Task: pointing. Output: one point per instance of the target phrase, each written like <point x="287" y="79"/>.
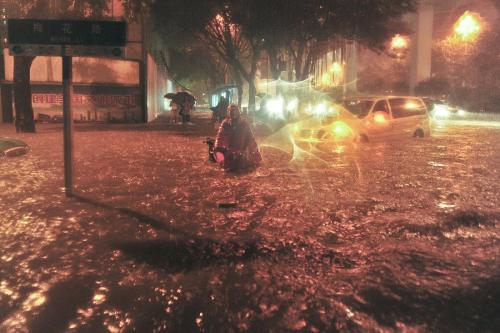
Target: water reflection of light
<point x="34" y="300"/>
<point x="6" y="290"/>
<point x="199" y="319"/>
<point x="6" y="258"/>
<point x="100" y="296"/>
<point x="445" y="205"/>
<point x="87" y="313"/>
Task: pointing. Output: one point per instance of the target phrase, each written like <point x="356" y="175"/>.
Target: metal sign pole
<point x="68" y="122"/>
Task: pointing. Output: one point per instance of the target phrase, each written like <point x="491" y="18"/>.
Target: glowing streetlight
<point x="399" y="46"/>
<point x="399" y="42"/>
<point x="468" y="27"/>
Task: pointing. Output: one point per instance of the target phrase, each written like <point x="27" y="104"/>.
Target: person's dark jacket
<point x="235" y="138"/>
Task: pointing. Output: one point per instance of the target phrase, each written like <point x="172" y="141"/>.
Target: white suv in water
<point x="388" y="116"/>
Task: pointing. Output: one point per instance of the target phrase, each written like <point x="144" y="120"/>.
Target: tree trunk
<point x="299" y="62"/>
<point x="274" y="63"/>
<point x="239" y="84"/>
<point x="251" y="79"/>
<point x="251" y="95"/>
<point x="25" y="121"/>
<point x="307" y="69"/>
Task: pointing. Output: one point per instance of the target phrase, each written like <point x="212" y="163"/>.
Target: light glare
<point x="467" y="27"/>
<point x="275" y="107"/>
<point x="399" y="42"/>
<point x="441" y="111"/>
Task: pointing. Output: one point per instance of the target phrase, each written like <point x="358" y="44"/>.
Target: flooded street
<point x="380" y="236"/>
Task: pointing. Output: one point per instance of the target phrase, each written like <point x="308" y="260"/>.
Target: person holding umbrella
<point x="185" y="102"/>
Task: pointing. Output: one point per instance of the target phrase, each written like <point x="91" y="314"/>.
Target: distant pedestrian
<point x="174" y="112"/>
<point x="187" y="106"/>
<point x="235" y="146"/>
<point x="220" y="110"/>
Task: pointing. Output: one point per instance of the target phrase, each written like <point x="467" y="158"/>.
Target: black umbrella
<point x="181" y="97"/>
<point x="170" y="95"/>
<point x="185" y="96"/>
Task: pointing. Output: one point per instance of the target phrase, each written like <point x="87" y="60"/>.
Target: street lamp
<point x="399" y="42"/>
<point x="460" y="44"/>
<point x="399" y="46"/>
<point x="467" y="27"/>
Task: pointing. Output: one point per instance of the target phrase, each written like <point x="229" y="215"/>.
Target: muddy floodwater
<point x="375" y="237"/>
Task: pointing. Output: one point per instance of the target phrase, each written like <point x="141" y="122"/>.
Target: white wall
<point x="157" y="88"/>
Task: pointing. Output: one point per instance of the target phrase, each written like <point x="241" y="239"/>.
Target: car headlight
<point x="274" y="108"/>
<point x="441" y="111"/>
<point x="340" y="129"/>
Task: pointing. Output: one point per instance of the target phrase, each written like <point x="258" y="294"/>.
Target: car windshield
<point x="358" y="107"/>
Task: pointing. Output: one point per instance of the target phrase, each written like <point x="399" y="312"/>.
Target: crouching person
<point x="235" y="146"/>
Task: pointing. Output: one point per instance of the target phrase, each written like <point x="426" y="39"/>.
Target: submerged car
<point x="388" y="116"/>
<point x="324" y="123"/>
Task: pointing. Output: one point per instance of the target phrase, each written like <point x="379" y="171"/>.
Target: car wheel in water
<point x="419" y="133"/>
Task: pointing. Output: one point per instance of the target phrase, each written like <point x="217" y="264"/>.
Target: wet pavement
<point x="385" y="236"/>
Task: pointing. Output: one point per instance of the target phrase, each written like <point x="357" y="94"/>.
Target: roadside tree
<point x="240" y="31"/>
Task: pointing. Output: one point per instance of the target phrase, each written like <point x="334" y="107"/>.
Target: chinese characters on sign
<point x="102" y="100"/>
<point x="70" y="38"/>
<point x="96" y="33"/>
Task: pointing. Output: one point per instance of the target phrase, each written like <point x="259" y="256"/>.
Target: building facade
<point x="129" y="89"/>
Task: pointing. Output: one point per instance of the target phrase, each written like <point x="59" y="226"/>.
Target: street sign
<point x="67" y="38"/>
<point x="67" y="32"/>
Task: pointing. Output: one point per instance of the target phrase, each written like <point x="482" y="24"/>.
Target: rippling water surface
<point x="397" y="236"/>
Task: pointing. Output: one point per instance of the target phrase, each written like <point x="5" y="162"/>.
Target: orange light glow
<point x="399" y="42"/>
<point x="340" y="129"/>
<point x="468" y="26"/>
<point x="411" y="105"/>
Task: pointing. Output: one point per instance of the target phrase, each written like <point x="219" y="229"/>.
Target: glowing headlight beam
<point x="292" y="105"/>
<point x="341" y="129"/>
<point x="274" y="108"/>
<point x="441" y="111"/>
